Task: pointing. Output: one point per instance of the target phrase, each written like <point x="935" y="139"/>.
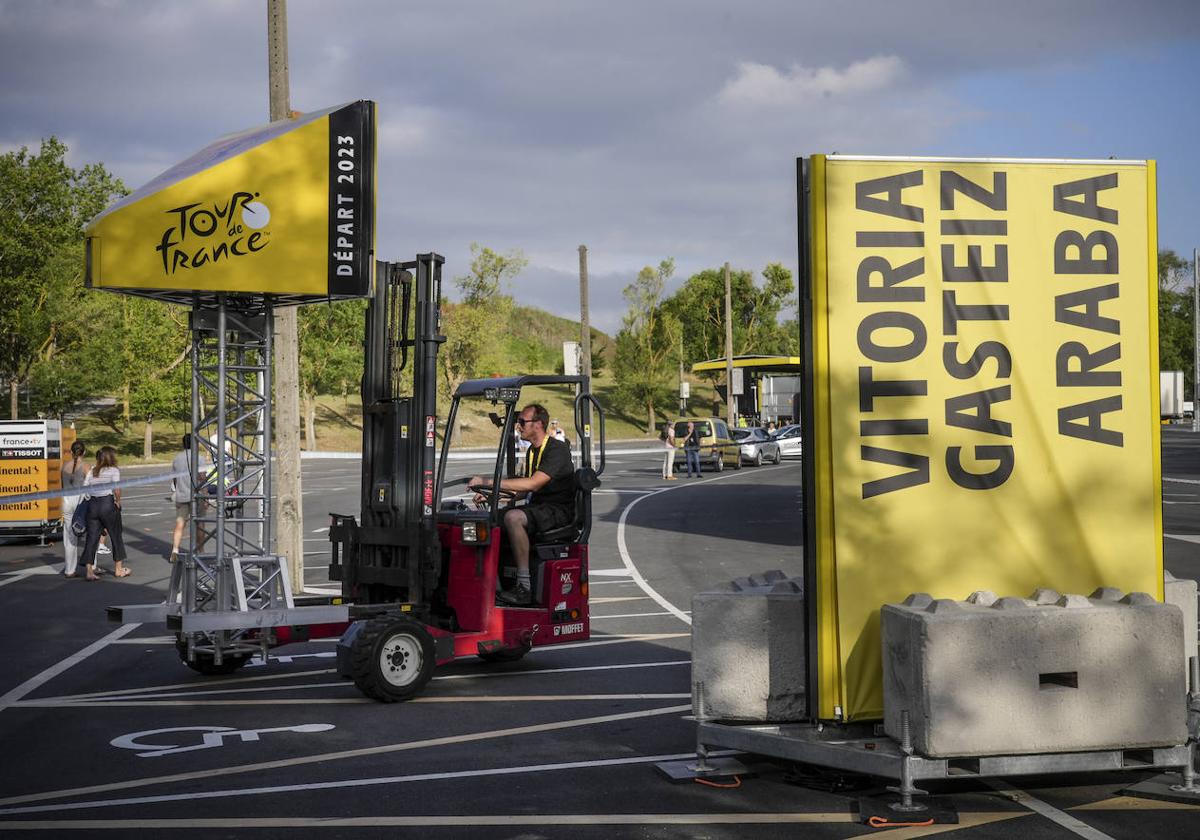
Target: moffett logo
<point x="202" y="234"/>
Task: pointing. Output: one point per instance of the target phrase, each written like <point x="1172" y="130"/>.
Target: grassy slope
<point x="534" y="345"/>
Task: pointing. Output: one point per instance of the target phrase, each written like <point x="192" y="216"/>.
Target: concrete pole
<point x="585" y="328"/>
<point x="730" y="401"/>
<point x="1195" y="336"/>
<point x="289" y="500"/>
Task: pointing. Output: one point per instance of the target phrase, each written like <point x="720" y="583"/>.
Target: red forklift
<point x="421" y="569"/>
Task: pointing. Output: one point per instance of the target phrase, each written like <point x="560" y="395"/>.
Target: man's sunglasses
<point x="521" y="421"/>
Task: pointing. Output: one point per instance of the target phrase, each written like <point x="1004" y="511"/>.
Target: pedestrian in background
<point x="104" y="512"/>
<point x="186" y="476"/>
<point x="73" y="473"/>
<point x="668" y="439"/>
<point x="691" y="449"/>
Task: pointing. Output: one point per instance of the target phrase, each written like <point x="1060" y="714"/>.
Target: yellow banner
<point x="986" y="403"/>
<point x="30" y="463"/>
<point x="285" y="209"/>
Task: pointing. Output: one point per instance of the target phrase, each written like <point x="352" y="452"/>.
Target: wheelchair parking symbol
<point x="210" y="736"/>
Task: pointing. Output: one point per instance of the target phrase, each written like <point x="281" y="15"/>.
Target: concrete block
<point x="1182" y="593"/>
<point x="1034" y="675"/>
<point x="749" y="651"/>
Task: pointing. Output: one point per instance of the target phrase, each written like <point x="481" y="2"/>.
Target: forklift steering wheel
<point x="505" y="495"/>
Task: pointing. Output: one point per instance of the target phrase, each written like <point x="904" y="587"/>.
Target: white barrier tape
<point x="83" y="491"/>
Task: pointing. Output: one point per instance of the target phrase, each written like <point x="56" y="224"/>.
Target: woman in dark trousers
<point x="104" y="512"/>
<point x="691" y="449"/>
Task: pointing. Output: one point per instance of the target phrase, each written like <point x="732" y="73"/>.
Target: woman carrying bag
<point x="73" y="474"/>
<point x="104" y="512"/>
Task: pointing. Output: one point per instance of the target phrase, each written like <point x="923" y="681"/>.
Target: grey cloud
<point x="541" y="125"/>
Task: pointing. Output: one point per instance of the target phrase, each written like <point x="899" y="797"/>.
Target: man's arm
<point x="529" y="484"/>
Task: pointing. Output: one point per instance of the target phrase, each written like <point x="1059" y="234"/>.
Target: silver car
<point x="790" y="441"/>
<point x="756" y="446"/>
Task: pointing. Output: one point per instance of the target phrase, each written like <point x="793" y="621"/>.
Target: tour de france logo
<point x="208" y="233"/>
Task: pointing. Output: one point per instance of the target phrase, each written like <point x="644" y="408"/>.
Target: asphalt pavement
<point x="107" y="734"/>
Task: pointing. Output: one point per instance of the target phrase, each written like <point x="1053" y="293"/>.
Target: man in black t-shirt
<point x="550" y="479"/>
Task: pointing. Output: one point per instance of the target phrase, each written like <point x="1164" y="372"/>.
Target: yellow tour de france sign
<point x="287" y="209"/>
<point x="984" y="391"/>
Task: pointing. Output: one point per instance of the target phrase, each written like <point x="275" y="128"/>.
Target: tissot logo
<point x="201" y="233"/>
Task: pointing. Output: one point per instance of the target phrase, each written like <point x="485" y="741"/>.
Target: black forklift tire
<point x="505" y="654"/>
<point x="204" y="664"/>
<point x="392" y="658"/>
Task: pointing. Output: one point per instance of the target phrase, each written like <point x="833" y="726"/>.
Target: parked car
<point x="717" y="448"/>
<point x="790" y="441"/>
<point x="757" y="446"/>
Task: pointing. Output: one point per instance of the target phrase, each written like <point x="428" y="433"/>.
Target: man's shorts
<point x="542" y="518"/>
<point x="183" y="510"/>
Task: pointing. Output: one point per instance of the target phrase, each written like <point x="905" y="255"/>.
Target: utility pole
<point x="289" y="501"/>
<point x="1195" y="335"/>
<point x="585" y="338"/>
<point x="729" y="398"/>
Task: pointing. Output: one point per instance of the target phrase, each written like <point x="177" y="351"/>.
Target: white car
<point x="790" y="440"/>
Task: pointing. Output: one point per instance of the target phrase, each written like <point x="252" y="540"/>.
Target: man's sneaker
<point x="518" y="596"/>
<point x="103" y="549"/>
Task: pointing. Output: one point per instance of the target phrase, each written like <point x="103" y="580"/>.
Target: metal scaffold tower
<point x="229" y="564"/>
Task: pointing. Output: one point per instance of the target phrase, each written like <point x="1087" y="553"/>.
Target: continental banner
<point x="984" y="395"/>
<point x="30" y="462"/>
<point x="287" y="208"/>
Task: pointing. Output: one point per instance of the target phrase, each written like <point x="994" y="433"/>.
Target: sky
<point x="645" y="130"/>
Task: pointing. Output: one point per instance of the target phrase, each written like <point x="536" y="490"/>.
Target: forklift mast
<point x="393" y="554"/>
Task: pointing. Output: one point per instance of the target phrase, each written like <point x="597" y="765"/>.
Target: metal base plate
<point x="1159" y="787"/>
<point x="718" y="769"/>
<point x="941" y="811"/>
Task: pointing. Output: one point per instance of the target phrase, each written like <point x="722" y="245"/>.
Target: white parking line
<point x="13" y="577"/>
<point x="385" y="780"/>
<point x="18" y="693"/>
<point x="320" y="758"/>
<point x="1070" y="823"/>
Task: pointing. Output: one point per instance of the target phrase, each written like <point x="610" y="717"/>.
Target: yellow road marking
<point x="1134" y="803"/>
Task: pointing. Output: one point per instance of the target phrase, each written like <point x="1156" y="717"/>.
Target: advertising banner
<point x="30" y="453"/>
<point x="984" y="391"/>
<point x="287" y="208"/>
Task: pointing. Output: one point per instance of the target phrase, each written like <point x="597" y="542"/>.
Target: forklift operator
<point x="550" y="482"/>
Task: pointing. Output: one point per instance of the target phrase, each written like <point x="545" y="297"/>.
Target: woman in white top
<point x="104" y="512"/>
<point x="73" y="474"/>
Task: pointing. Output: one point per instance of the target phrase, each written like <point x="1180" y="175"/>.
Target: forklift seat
<point x="586" y="481"/>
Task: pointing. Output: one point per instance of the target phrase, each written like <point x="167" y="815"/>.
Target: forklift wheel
<point x="505" y="654"/>
<point x="203" y="663"/>
<point x="392" y="658"/>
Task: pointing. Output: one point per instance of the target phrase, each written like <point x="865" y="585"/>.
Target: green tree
<point x="700" y="306"/>
<point x="44" y="204"/>
<point x="1176" y="317"/>
<point x="646" y="345"/>
<point x="473" y="327"/>
<point x="331" y="355"/>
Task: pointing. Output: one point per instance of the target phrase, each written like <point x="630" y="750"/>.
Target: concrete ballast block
<point x="748" y="650"/>
<point x="1034" y="675"/>
<point x="1182" y="593"/>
